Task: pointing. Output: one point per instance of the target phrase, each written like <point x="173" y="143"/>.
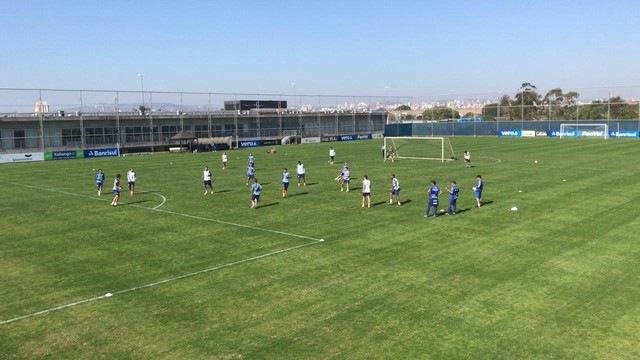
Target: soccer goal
<point x="584" y="130"/>
<point x="420" y="148"/>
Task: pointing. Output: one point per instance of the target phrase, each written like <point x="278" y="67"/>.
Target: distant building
<point x="41" y="107"/>
<point x="247" y="105"/>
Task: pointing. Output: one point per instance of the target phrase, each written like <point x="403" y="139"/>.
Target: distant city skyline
<point x="418" y="49"/>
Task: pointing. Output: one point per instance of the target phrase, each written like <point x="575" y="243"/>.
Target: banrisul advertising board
<point x="91" y="153"/>
<point x="623" y="134"/>
<point x="63" y="155"/>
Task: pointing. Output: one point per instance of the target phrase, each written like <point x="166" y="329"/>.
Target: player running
<point x="255" y="193"/>
<point x="224" y="160"/>
<point x="433" y="192"/>
<point x="116" y="190"/>
<point x="99" y="181"/>
<point x="395" y="190"/>
<point x="252" y="160"/>
<point x="251" y="173"/>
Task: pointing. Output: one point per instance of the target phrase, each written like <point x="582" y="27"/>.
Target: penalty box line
<point x="157" y="209"/>
<point x="181" y="277"/>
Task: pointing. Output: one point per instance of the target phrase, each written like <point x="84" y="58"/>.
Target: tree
<point x="403" y="108"/>
<point x="440" y="113"/>
<point x="528" y="99"/>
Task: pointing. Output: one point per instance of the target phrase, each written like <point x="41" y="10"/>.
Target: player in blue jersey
<point x="250" y="173"/>
<point x="116" y="190"/>
<point x="433" y="192"/>
<point x="255" y="193"/>
<point x="395" y="190"/>
<point x="131" y="181"/>
<point x="206" y="177"/>
<point x="346" y="178"/>
<point x="99" y="181"/>
<point x="453" y="198"/>
<point x="252" y="160"/>
<point x="478" y="190"/>
<point x="286" y="176"/>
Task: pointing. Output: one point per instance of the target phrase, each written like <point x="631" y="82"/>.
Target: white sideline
<point x="120" y="292"/>
<point x="314" y="241"/>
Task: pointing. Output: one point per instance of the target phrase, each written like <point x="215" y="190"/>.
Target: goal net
<point x="421" y="148"/>
<point x="584" y="130"/>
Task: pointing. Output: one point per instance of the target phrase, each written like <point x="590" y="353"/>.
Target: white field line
<point x="156" y="209"/>
<point x="314" y="241"/>
<point x="164" y="200"/>
<point x="120" y="292"/>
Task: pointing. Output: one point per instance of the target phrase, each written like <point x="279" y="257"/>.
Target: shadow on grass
<point x="378" y="203"/>
<point x="296" y="194"/>
<point x="136" y="202"/>
<point x="222" y="191"/>
<point x="267" y="205"/>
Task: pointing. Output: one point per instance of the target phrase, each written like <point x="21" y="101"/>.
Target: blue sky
<point x="416" y="48"/>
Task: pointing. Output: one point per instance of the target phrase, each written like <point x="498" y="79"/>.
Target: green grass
<point x="556" y="279"/>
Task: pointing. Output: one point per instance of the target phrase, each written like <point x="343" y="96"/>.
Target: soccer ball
<point x="473" y="188"/>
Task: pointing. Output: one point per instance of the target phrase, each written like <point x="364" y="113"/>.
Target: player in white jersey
<point x="346" y="178"/>
<point x="206" y="177"/>
<point x="131" y="180"/>
<point x="116" y="190"/>
<point x="467" y="159"/>
<point x="301" y="173"/>
<point x="366" y="191"/>
<point x="224" y="160"/>
<point x="332" y="155"/>
<point x="395" y="190"/>
<point x="286" y="176"/>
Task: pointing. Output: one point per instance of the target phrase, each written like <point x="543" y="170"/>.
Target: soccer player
<point x="250" y="173"/>
<point x="366" y="191"/>
<point x="346" y="177"/>
<point x="453" y="198"/>
<point x="255" y="193"/>
<point x="116" y="190"/>
<point x="382" y="149"/>
<point x="395" y="190"/>
<point x="467" y="159"/>
<point x="286" y="176"/>
<point x="478" y="190"/>
<point x="391" y="154"/>
<point x="332" y="155"/>
<point x="433" y="192"/>
<point x="131" y="180"/>
<point x="99" y="181"/>
<point x="301" y="173"/>
<point x="252" y="160"/>
<point x="224" y="160"/>
<point x="206" y="176"/>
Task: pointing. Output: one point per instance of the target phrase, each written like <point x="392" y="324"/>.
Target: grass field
<point x="206" y="277"/>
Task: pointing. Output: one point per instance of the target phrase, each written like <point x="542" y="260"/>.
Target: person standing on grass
<point x="366" y="191"/>
<point x="346" y="177"/>
<point x="255" y="193"/>
<point x="116" y="190"/>
<point x="382" y="149"/>
<point x="99" y="181"/>
<point x="453" y="198"/>
<point x="224" y="160"/>
<point x="252" y="160"/>
<point x="286" y="176"/>
<point x="395" y="190"/>
<point x="206" y="177"/>
<point x="478" y="190"/>
<point x="250" y="173"/>
<point x="332" y="155"/>
<point x="467" y="159"/>
<point x="131" y="180"/>
<point x="301" y="173"/>
<point x="433" y="192"/>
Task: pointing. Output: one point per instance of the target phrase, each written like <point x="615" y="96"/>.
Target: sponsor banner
<point x="91" y="153"/>
<point x="329" y="138"/>
<point x="566" y="133"/>
<point x="21" y="157"/>
<point x="63" y="155"/>
<point x="311" y="140"/>
<point x="624" y="134"/>
<point x="346" y="137"/>
<point x="528" y="133"/>
<point x="542" y="133"/>
<point x="270" y="142"/>
<point x="377" y="136"/>
<point x="509" y="133"/>
<point x="590" y="133"/>
<point x="249" y="143"/>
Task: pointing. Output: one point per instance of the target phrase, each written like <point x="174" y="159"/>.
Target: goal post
<point x="569" y="130"/>
<point x="418" y="148"/>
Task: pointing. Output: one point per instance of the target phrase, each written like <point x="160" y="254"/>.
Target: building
<point x="248" y="105"/>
